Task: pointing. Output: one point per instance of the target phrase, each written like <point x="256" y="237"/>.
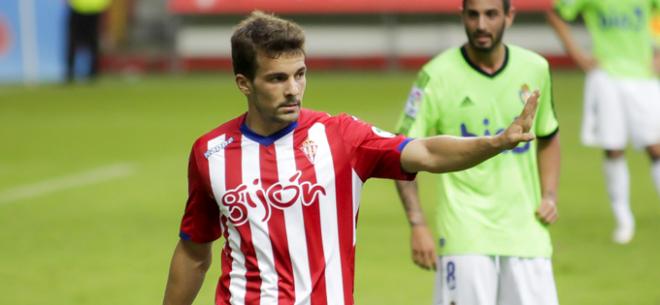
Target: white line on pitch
<point x="67" y="182"/>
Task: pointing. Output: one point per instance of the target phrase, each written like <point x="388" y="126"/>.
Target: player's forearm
<point x="410" y="199"/>
<point x="186" y="276"/>
<point x="563" y="31"/>
<point x="549" y="160"/>
<point x="441" y="154"/>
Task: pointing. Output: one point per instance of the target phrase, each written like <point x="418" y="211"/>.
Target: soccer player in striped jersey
<point x="281" y="184"/>
<point x="492" y="219"/>
<point x="621" y="92"/>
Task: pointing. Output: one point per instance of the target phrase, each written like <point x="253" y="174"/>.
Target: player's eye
<point x="277" y="78"/>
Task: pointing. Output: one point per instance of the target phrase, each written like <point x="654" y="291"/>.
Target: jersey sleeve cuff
<point x="550" y="135"/>
<point x="403" y="144"/>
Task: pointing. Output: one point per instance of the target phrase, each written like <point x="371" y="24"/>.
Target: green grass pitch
<point x="65" y="241"/>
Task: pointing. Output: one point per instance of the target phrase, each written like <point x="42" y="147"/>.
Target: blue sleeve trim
<point x="184" y="236"/>
<point x="403" y="144"/>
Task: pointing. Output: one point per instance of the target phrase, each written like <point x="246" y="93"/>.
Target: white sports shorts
<point x="615" y="109"/>
<point x="494" y="280"/>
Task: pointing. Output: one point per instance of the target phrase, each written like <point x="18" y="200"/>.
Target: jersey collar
<point x="267" y="140"/>
<point x="476" y="68"/>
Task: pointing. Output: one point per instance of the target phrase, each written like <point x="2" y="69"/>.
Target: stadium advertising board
<point x="11" y="59"/>
<point x="32" y="40"/>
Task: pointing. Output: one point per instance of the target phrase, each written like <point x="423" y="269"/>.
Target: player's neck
<point x="262" y="127"/>
<point x="489" y="61"/>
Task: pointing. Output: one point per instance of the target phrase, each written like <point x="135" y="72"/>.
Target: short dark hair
<point x="506" y="4"/>
<point x="261" y="32"/>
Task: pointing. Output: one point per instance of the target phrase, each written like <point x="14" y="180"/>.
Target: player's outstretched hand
<point x="519" y="130"/>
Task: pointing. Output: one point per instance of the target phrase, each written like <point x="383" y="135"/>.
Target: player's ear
<point x="244" y="84"/>
<point x="510" y="16"/>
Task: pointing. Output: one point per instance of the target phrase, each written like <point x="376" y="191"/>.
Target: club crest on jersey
<point x="309" y="148"/>
<point x="218" y="147"/>
<point x="245" y="199"/>
<point x="524" y="93"/>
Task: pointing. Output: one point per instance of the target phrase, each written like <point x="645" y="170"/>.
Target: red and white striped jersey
<point x="286" y="205"/>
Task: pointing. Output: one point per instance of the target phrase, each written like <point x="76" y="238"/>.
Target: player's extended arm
<point x="441" y="154"/>
<point x="422" y="243"/>
<point x="563" y="30"/>
<point x="189" y="265"/>
<point x="549" y="157"/>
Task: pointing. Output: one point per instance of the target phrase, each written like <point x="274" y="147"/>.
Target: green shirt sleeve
<point x="569" y="9"/>
<point x="546" y="120"/>
<point x="417" y="117"/>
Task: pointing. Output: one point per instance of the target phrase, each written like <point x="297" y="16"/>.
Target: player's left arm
<point x="548" y="155"/>
<point x="189" y="264"/>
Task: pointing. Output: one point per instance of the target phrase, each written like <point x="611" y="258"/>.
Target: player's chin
<point x="289" y="116"/>
<point x="484" y="46"/>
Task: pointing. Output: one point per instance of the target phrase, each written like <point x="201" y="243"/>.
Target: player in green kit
<point x="492" y="219"/>
<point x="621" y="94"/>
<point x="655" y="31"/>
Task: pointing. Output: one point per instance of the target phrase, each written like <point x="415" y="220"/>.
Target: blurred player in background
<point x="621" y="94"/>
<point x="492" y="219"/>
<point x="83" y="25"/>
<point x="655" y="31"/>
<point x="281" y="183"/>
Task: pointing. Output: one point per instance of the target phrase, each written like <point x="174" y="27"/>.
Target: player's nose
<point x="292" y="87"/>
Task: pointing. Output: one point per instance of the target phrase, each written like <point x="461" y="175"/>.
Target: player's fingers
<point x="418" y="258"/>
<point x="421" y="259"/>
<point x="527" y="115"/>
<point x="543" y="209"/>
<point x="431" y="259"/>
<point x="415" y="257"/>
<point x="552" y="218"/>
<point x="542" y="214"/>
<point x="530" y="105"/>
<point x="547" y="215"/>
<point x="428" y="263"/>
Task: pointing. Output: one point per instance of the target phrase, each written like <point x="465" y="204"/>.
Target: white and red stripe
<point x="288" y="206"/>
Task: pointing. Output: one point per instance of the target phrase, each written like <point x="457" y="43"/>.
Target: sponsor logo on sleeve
<point x="382" y="133"/>
<point x="218" y="147"/>
<point x="413" y="102"/>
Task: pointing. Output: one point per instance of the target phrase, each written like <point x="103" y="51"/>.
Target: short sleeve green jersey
<point x="622" y="41"/>
<point x="488" y="209"/>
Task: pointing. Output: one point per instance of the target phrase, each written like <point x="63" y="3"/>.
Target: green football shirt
<point x="488" y="209"/>
<point x="619" y="29"/>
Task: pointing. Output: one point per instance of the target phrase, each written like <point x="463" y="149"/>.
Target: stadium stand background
<point x="193" y="35"/>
